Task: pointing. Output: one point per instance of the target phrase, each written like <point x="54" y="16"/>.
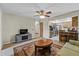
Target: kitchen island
<point x="66" y="36"/>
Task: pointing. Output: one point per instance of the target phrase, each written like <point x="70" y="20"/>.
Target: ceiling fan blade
<point x="37" y="11"/>
<point x="47" y="15"/>
<point x="42" y="11"/>
<point x="49" y="12"/>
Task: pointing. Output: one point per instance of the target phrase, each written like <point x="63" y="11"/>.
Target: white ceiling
<point x="68" y="19"/>
<point x="28" y="9"/>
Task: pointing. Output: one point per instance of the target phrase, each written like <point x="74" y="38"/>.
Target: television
<point x="23" y="31"/>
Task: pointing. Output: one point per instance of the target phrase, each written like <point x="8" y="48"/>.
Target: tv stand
<point x="23" y="37"/>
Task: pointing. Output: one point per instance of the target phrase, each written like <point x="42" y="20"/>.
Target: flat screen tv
<point x="23" y="31"/>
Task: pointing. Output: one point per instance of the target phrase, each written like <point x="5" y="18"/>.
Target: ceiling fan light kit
<point x="42" y="16"/>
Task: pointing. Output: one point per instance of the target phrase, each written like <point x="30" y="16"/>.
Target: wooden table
<point x="43" y="43"/>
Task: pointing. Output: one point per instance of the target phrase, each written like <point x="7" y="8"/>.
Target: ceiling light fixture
<point x="42" y="16"/>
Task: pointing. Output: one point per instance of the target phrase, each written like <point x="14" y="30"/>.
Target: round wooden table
<point x="44" y="44"/>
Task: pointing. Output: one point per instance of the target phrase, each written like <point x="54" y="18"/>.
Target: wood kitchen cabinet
<point x="66" y="36"/>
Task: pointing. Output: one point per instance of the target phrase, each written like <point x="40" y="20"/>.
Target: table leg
<point x="49" y="49"/>
<point x="35" y="51"/>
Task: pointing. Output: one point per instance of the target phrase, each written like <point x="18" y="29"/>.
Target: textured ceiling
<point x="28" y="9"/>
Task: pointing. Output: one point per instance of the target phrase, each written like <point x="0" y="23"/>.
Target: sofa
<point x="71" y="48"/>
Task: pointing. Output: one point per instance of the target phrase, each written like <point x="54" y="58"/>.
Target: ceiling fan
<point x="43" y="14"/>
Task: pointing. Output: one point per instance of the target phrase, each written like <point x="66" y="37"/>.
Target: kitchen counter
<point x="66" y="36"/>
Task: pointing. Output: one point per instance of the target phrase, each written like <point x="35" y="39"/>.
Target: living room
<point x="22" y="24"/>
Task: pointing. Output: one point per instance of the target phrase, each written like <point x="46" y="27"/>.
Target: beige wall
<point x="11" y="25"/>
<point x="66" y="24"/>
<point x="0" y="30"/>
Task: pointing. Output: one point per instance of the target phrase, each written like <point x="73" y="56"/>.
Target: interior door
<point x="41" y="29"/>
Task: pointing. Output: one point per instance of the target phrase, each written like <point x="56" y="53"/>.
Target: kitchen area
<point x="66" y="29"/>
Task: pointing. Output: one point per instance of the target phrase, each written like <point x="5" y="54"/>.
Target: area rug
<point x="28" y="50"/>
